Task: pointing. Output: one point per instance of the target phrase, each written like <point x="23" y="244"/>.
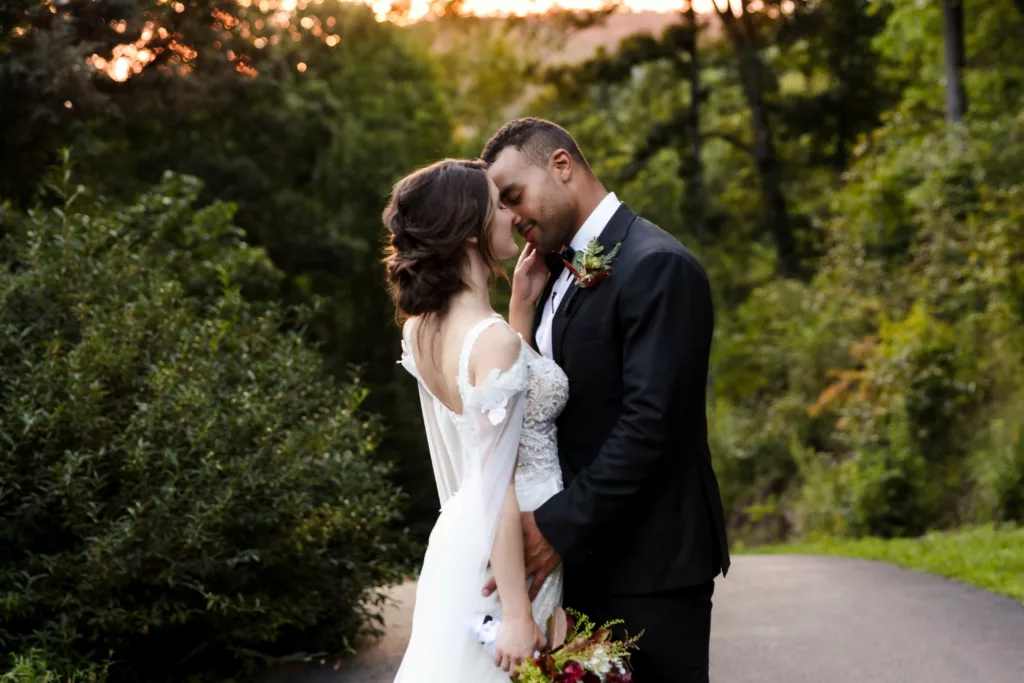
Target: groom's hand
<point x="541" y="558"/>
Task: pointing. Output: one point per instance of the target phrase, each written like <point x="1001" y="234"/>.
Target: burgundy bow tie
<point x="555" y="260"/>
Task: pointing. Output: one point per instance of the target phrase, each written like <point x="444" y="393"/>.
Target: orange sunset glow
<point x="420" y="8"/>
<point x="131" y="58"/>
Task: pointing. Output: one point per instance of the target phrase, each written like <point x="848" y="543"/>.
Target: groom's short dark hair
<point x="536" y="139"/>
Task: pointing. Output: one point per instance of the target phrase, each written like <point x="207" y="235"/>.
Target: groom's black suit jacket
<point x="641" y="512"/>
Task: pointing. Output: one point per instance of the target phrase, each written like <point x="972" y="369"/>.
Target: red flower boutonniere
<point x="592" y="265"/>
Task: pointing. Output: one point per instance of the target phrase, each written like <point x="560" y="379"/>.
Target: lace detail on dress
<point x="538" y="446"/>
<point x="538" y="475"/>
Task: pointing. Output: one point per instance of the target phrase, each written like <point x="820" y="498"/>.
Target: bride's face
<point x="500" y="231"/>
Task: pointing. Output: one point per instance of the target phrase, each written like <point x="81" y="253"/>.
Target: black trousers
<point x="676" y="626"/>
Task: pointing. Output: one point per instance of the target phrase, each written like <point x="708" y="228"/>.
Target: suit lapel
<point x="560" y="320"/>
<point x="613" y="233"/>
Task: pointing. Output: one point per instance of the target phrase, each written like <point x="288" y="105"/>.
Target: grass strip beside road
<point x="983" y="556"/>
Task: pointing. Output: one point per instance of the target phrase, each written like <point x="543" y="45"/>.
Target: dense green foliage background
<point x="208" y="457"/>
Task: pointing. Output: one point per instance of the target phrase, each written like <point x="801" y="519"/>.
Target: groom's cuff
<point x="557" y="531"/>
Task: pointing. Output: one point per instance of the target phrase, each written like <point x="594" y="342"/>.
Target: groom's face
<point x="539" y="203"/>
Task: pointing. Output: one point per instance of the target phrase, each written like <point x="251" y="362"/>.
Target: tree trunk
<point x="769" y="169"/>
<point x="953" y="38"/>
<point x="696" y="188"/>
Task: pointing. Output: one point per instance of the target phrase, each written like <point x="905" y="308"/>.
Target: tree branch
<point x="732" y="140"/>
<point x="662" y="136"/>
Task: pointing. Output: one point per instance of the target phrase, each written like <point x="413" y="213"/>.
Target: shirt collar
<point x="596" y="222"/>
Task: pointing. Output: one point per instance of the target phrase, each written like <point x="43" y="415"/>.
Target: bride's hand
<point x="529" y="277"/>
<point x="518" y="639"/>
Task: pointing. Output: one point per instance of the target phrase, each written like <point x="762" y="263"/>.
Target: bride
<point x="489" y="404"/>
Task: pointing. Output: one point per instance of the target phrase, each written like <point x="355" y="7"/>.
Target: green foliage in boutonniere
<point x="592" y="265"/>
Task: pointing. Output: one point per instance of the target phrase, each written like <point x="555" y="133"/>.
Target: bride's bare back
<point x="437" y="345"/>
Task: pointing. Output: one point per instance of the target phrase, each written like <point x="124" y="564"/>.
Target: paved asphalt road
<point x="808" y="619"/>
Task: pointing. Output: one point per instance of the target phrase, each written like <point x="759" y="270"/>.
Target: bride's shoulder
<point x="499" y="348"/>
<point x="498" y="370"/>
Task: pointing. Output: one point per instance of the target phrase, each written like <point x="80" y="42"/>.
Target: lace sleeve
<point x="491" y="397"/>
<point x="497" y="405"/>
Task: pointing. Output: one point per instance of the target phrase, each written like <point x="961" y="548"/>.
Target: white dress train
<point x="506" y="429"/>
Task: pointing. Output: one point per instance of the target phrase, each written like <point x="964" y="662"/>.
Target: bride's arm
<point x="499" y="350"/>
<point x="528" y="283"/>
<point x="520" y="318"/>
<point x="519" y="635"/>
<point x="507" y="560"/>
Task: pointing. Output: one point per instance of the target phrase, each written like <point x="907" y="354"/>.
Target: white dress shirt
<point x="591" y="228"/>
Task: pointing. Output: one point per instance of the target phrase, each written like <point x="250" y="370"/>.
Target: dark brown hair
<point x="430" y="217"/>
<point x="536" y="139"/>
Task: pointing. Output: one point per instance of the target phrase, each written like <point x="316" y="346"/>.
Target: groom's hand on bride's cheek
<point x="541" y="558"/>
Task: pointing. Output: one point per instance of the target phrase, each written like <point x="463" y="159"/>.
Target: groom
<point x="639" y="526"/>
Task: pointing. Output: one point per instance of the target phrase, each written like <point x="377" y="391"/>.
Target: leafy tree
<point x="54" y="91"/>
<point x="745" y="32"/>
<point x="828" y="50"/>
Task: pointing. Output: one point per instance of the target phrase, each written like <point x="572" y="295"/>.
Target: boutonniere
<point x="592" y="265"/>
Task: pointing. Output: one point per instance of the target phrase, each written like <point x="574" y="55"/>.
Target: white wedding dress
<point x="506" y="429"/>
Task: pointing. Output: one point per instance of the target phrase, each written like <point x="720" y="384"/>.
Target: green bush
<point x="182" y="485"/>
<point x="36" y="667"/>
<point x="997" y="465"/>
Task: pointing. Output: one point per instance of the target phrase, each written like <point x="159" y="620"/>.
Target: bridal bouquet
<point x="580" y="653"/>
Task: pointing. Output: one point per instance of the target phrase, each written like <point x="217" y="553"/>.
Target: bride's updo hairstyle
<point x="430" y="217"/>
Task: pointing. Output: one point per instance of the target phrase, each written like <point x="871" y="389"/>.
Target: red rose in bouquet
<point x="572" y="672"/>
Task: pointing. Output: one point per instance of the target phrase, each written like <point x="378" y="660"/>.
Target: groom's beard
<point x="530" y="233"/>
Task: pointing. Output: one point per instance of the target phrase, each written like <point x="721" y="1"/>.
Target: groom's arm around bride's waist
<point x="665" y="317"/>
